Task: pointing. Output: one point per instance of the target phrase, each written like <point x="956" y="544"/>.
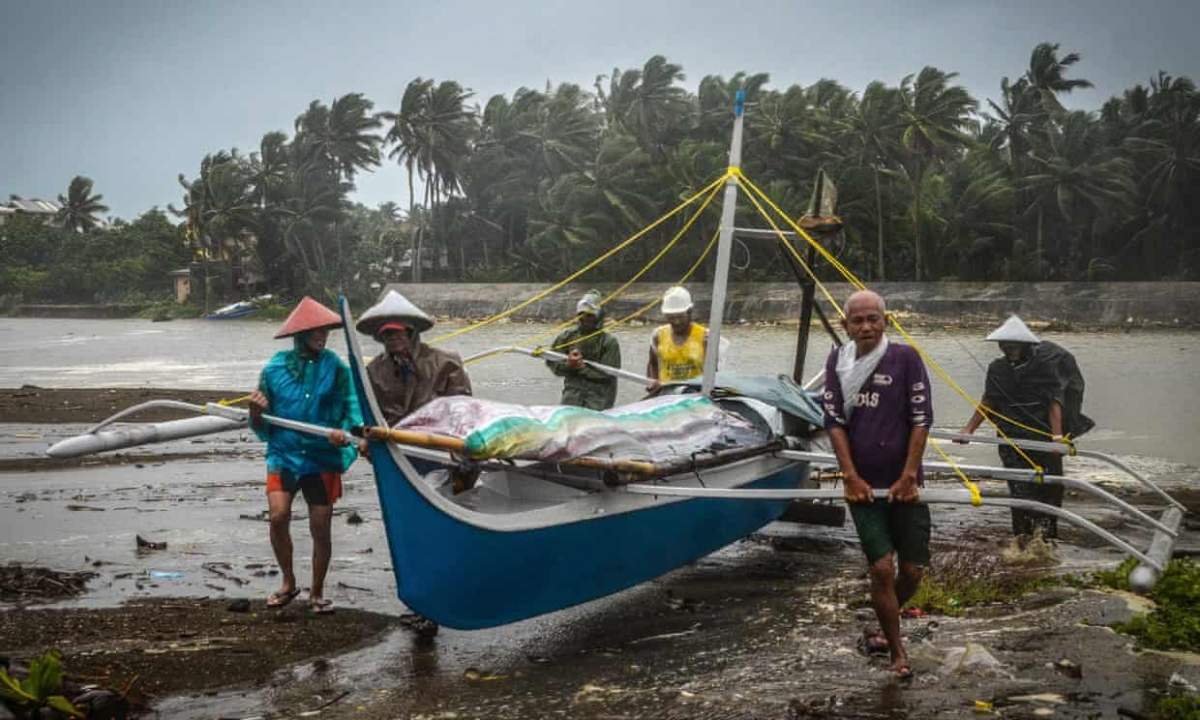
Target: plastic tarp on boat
<point x="778" y="391"/>
<point x="657" y="429"/>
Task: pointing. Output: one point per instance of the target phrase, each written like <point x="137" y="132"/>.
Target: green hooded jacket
<point x="587" y="387"/>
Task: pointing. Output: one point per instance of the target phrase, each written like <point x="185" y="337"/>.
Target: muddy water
<point x="748" y="632"/>
<point x="1139" y="383"/>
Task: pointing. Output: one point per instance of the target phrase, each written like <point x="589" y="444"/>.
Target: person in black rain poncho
<point x="1038" y="384"/>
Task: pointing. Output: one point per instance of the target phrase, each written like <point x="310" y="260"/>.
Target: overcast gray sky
<point x="132" y="93"/>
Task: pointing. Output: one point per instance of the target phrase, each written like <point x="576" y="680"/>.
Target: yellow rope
<point x="647" y="307"/>
<point x="795" y="253"/>
<point x="976" y="497"/>
<point x="233" y="401"/>
<point x="620" y="321"/>
<point x="609" y="253"/>
<point x="645" y="268"/>
<point x="853" y="280"/>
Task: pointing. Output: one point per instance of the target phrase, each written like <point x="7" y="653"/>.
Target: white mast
<point x="721" y="276"/>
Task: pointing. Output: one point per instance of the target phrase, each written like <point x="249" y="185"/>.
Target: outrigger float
<point x="535" y="536"/>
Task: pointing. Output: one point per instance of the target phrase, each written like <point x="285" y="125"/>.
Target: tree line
<point x="527" y="186"/>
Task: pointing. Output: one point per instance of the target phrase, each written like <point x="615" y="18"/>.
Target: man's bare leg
<point x="279" y="508"/>
<point x="887" y="608"/>
<point x="908" y="582"/>
<point x="320" y="520"/>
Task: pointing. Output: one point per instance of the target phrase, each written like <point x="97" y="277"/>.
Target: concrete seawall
<point x="1174" y="304"/>
<point x="1090" y="305"/>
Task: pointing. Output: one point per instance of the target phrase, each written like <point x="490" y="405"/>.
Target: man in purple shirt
<point x="878" y="413"/>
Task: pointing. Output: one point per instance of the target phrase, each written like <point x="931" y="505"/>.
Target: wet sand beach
<point x="765" y="628"/>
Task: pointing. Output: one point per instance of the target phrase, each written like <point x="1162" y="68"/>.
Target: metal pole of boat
<point x="721" y="275"/>
<point x="1143" y="577"/>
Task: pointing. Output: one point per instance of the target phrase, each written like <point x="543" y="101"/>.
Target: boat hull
<point x="470" y="577"/>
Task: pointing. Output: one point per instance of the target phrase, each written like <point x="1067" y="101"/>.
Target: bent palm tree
<point x="934" y="115"/>
<point x="80" y="207"/>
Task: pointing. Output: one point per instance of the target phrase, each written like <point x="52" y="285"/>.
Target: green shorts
<point x="884" y="526"/>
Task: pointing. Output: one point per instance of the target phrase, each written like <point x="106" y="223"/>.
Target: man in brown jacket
<point x="408" y="373"/>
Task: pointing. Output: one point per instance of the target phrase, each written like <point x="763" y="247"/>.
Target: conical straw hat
<point x="393" y="306"/>
<point x="1014" y="330"/>
<point x="308" y="315"/>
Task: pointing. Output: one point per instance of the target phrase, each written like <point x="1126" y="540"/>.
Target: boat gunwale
<point x="589" y="506"/>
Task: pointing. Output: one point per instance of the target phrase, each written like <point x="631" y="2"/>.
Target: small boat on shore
<point x="244" y="308"/>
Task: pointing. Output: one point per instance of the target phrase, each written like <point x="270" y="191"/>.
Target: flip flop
<point x="904" y="672"/>
<point x="281" y="599"/>
<point x="321" y="606"/>
<point x="873" y="643"/>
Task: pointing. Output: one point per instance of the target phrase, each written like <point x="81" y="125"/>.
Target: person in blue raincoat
<point x="311" y="384"/>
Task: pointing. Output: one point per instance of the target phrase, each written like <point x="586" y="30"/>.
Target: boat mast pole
<point x="721" y="276"/>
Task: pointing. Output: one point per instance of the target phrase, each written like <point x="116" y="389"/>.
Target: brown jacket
<point x="435" y="373"/>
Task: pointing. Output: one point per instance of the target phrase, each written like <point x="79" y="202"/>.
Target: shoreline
<point x="1062" y="306"/>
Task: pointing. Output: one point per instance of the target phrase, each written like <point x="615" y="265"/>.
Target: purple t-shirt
<point x="894" y="400"/>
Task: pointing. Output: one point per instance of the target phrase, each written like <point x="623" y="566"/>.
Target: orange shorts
<point x="319" y="488"/>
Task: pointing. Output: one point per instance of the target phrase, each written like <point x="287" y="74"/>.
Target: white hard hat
<point x="1014" y="330"/>
<point x="589" y="303"/>
<point x="676" y="300"/>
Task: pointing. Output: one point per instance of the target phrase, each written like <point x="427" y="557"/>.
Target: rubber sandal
<point x="873" y="643"/>
<point x="904" y="672"/>
<point x="321" y="606"/>
<point x="278" y="599"/>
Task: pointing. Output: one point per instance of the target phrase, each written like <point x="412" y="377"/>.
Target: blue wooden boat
<point x="527" y="541"/>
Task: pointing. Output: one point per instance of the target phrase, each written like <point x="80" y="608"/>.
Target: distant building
<point x="46" y="209"/>
<point x="183" y="284"/>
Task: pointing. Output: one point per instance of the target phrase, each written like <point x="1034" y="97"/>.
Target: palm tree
<point x="648" y="104"/>
<point x="934" y="115"/>
<point x="1046" y="77"/>
<point x="1078" y="180"/>
<point x="403" y="135"/>
<point x="432" y="133"/>
<point x="872" y="129"/>
<point x="79" y="206"/>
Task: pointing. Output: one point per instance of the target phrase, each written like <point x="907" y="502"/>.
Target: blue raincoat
<point x="313" y="390"/>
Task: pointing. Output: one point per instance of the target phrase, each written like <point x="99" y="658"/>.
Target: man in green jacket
<point x="585" y="386"/>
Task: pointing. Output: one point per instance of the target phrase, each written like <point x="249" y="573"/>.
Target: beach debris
<point x="21" y="583"/>
<point x="220" y="570"/>
<point x="101" y="704"/>
<point x="80" y="508"/>
<point x="1179" y="681"/>
<point x="347" y="586"/>
<point x="475" y="675"/>
<point x="144" y="544"/>
<point x="239" y="605"/>
<point x="1039" y="698"/>
<point x="354" y="518"/>
<point x="971" y="658"/>
<point x="668" y="636"/>
<point x="317" y="710"/>
<point x="1069" y="669"/>
<point x="166" y="574"/>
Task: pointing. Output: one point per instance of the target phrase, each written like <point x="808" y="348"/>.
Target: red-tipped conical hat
<point x="308" y="315"/>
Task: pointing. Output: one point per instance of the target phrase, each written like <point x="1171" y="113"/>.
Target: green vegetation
<point x="125" y="262"/>
<point x="958" y="580"/>
<point x="41" y="688"/>
<point x="932" y="184"/>
<point x="1177" y="707"/>
<point x="1174" y="624"/>
<point x="164" y="310"/>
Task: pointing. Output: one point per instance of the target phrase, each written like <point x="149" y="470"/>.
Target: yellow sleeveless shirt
<point x="680" y="362"/>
